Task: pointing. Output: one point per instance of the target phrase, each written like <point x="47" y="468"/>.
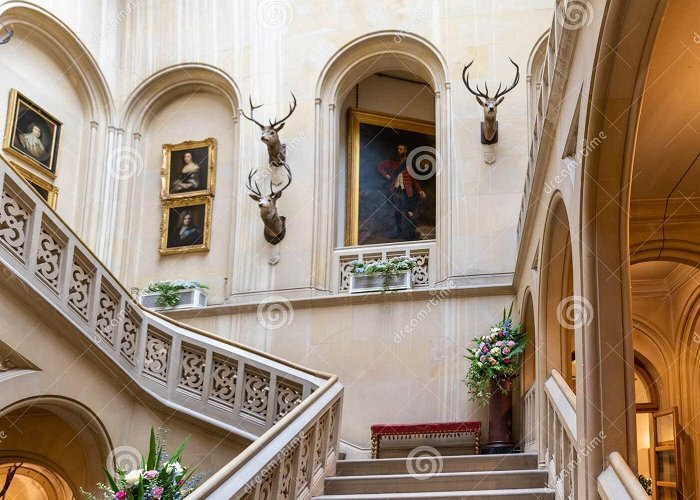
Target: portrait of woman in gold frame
<point x="31" y="134"/>
<point x="188" y="169"/>
<point x="385" y="201"/>
<point x="185" y="225"/>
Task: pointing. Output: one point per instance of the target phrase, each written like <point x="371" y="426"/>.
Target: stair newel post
<point x="500" y="417"/>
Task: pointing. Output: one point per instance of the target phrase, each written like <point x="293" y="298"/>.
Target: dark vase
<point x="500" y="418"/>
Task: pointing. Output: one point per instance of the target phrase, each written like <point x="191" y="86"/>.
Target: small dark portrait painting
<point x="185" y="226"/>
<point x="188" y="169"/>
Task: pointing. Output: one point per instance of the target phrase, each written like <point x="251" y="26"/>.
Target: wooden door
<point x="666" y="457"/>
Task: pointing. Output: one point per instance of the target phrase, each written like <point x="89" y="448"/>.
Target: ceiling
<point x="668" y="139"/>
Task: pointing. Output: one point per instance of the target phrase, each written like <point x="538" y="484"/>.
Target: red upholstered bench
<point x="440" y="429"/>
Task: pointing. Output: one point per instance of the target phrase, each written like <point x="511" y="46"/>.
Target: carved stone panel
<point x="223" y="382"/>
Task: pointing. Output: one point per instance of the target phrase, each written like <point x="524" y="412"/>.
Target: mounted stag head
<point x="276" y="151"/>
<point x="275" y="228"/>
<point x="489" y="127"/>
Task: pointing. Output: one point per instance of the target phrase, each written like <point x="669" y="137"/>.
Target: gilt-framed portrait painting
<point x="185" y="226"/>
<point x="391" y="179"/>
<point x="32" y="134"/>
<point x="188" y="169"/>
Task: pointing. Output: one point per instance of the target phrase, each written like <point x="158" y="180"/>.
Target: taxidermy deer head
<point x="276" y="151"/>
<point x="275" y="228"/>
<point x="489" y="127"/>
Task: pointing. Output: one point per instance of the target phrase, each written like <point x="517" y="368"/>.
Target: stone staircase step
<point x="520" y="494"/>
<point x="450" y="481"/>
<point x="464" y="463"/>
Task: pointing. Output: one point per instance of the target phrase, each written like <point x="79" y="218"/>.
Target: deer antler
<point x="276" y="194"/>
<point x="292" y="107"/>
<point x="252" y="110"/>
<point x="255" y="191"/>
<point x="465" y="79"/>
<point x="512" y="86"/>
<point x="499" y="92"/>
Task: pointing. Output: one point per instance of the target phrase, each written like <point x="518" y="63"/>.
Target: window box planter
<point x="189" y="298"/>
<point x="378" y="282"/>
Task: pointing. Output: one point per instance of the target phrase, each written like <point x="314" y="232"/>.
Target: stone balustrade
<point x="238" y="389"/>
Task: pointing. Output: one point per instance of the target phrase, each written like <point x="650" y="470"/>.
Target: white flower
<point x="495" y="351"/>
<point x="495" y="329"/>
<point x="132" y="478"/>
<point x="175" y="466"/>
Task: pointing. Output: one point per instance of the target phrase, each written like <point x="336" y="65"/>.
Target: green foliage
<point x="495" y="356"/>
<point x="387" y="268"/>
<point x="169" y="297"/>
<point x="159" y="478"/>
<point x="646" y="483"/>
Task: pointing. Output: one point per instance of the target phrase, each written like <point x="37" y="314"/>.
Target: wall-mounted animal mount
<point x="276" y="150"/>
<point x="489" y="127"/>
<point x="275" y="226"/>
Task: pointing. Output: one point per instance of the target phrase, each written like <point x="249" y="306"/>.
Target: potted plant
<point x="173" y="294"/>
<point x="159" y="477"/>
<point x="392" y="274"/>
<point x="494" y="363"/>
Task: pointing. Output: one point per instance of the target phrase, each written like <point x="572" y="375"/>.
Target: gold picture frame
<point x="199" y="181"/>
<point x="384" y="122"/>
<point x="32" y="134"/>
<point x="173" y="238"/>
<point x="42" y="187"/>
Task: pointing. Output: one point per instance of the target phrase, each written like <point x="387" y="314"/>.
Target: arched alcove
<point x="527" y="315"/>
<point x="75" y="454"/>
<point x="375" y="53"/>
<point x="561" y="312"/>
<point x="189" y="102"/>
<point x="48" y="63"/>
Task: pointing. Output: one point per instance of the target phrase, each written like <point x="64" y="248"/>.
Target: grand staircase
<point x="493" y="477"/>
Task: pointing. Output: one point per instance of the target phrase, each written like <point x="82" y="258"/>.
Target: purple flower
<point x="150" y="474"/>
<point x="157" y="492"/>
<point x="506" y="350"/>
<point x="482" y="358"/>
<point x="120" y="495"/>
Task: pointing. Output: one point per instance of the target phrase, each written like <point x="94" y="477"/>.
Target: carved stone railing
<point x="560" y="44"/>
<point x="530" y="419"/>
<point x="618" y="482"/>
<point x="422" y="251"/>
<point x="561" y="446"/>
<point x="238" y="389"/>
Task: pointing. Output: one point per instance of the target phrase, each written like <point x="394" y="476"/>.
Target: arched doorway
<point x="59" y="444"/>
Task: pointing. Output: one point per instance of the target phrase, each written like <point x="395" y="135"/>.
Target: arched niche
<point x="48" y="63"/>
<point x="529" y="356"/>
<point x="184" y="102"/>
<point x="561" y="312"/>
<point x="371" y="54"/>
<point x="535" y="73"/>
<point x="77" y="451"/>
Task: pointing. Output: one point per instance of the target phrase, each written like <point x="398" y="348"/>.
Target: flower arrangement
<point x="168" y="291"/>
<point x="495" y="357"/>
<point x="159" y="478"/>
<point x="388" y="268"/>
